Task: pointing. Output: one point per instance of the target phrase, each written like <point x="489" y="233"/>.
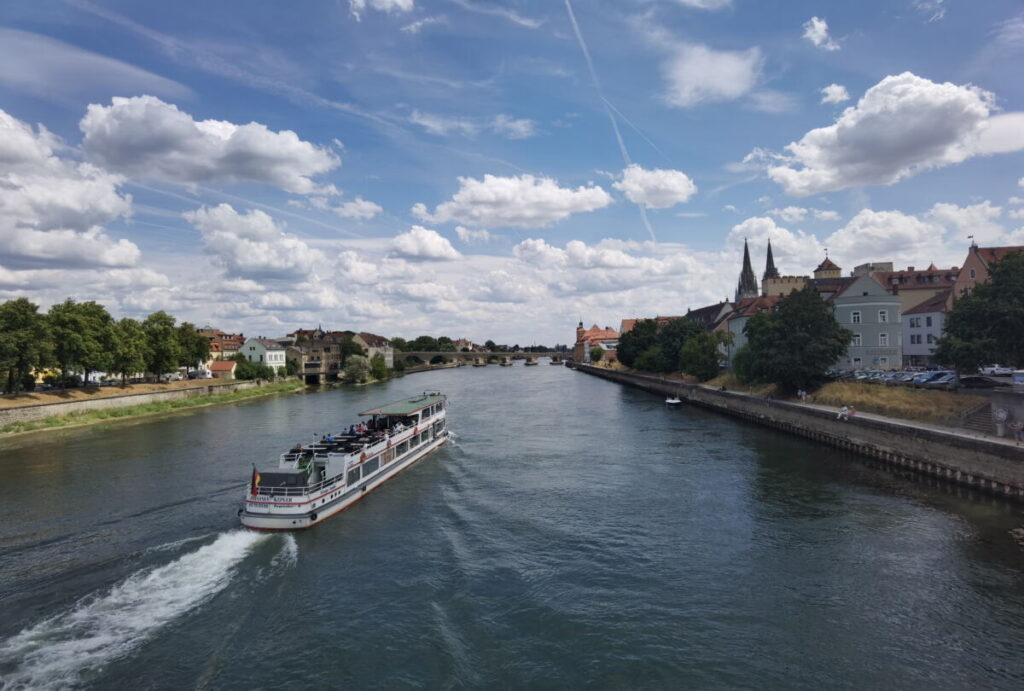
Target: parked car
<point x="997" y="370"/>
<point x="946" y="382"/>
<point x="931" y="375"/>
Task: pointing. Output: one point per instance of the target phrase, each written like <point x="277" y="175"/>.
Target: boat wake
<point x="58" y="651"/>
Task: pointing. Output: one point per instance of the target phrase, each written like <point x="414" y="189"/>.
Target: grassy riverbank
<point x="147" y="409"/>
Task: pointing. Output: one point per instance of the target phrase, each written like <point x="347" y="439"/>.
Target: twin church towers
<point x="748" y="286"/>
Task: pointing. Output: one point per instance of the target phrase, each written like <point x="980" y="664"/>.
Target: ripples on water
<point x="577" y="533"/>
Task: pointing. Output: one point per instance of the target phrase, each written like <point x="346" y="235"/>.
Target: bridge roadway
<point x="427" y="356"/>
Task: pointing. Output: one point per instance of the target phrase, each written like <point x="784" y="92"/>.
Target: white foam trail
<point x="289" y="554"/>
<point x="100" y="628"/>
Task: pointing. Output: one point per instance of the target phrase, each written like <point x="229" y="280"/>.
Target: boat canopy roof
<point x="407" y="406"/>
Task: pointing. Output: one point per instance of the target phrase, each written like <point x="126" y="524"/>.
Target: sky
<point x="492" y="170"/>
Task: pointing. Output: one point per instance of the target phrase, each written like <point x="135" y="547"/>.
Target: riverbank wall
<point x="42" y="411"/>
<point x="990" y="465"/>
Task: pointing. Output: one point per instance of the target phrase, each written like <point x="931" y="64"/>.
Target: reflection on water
<point x="576" y="532"/>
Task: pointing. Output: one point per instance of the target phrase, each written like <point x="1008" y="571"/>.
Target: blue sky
<point x="459" y="167"/>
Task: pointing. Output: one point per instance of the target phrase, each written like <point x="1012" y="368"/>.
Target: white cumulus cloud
<point x="871" y="235"/>
<point x="790" y="214"/>
<point x="358" y="208"/>
<point x="252" y="245"/>
<point x="834" y="93"/>
<point x="698" y="74"/>
<point x="656" y="189"/>
<point x="389" y="6"/>
<point x="902" y="125"/>
<point x="816" y="31"/>
<point x="144" y="137"/>
<point x="423" y="243"/>
<point x="524" y="201"/>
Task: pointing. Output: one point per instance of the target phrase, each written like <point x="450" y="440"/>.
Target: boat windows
<point x="371" y="466"/>
<point x="387" y="456"/>
<point x="284" y="479"/>
<point x="354" y="475"/>
<point x="402" y="448"/>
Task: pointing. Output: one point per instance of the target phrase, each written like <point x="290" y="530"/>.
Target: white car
<point x="997" y="370"/>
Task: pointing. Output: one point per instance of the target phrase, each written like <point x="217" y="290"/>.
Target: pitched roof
<point x="710" y="315"/>
<point x="990" y="255"/>
<point x="918" y="279"/>
<point x="596" y="333"/>
<point x="627" y="325"/>
<point x="827" y="265"/>
<point x="223" y="366"/>
<point x="830" y="285"/>
<point x="267" y="343"/>
<point x="748" y="307"/>
<point x="936" y="303"/>
<point x="373" y="340"/>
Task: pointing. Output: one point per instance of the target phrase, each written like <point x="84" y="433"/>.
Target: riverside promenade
<point x="981" y="462"/>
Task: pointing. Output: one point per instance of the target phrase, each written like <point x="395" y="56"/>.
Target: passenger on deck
<point x="352" y="429"/>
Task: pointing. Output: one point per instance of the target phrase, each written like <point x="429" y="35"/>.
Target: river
<point x="575" y="533"/>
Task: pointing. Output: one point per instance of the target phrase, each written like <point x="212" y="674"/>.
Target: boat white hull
<point x="293" y="518"/>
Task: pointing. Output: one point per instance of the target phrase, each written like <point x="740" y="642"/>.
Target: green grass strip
<point x="103" y="414"/>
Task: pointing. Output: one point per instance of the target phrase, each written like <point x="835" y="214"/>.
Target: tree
<point x="445" y="344"/>
<point x="490" y="345"/>
<point x="128" y="355"/>
<point x="195" y="348"/>
<point x="987" y="326"/>
<point x="596" y="353"/>
<point x="348" y="348"/>
<point x="24" y="342"/>
<point x="424" y="344"/>
<point x="378" y="368"/>
<point x="399" y="344"/>
<point x="640" y="338"/>
<point x="291" y="367"/>
<point x="357" y="369"/>
<point x="650" y="359"/>
<point x="701" y="354"/>
<point x="795" y="345"/>
<point x="82" y="335"/>
<point x="252" y="370"/>
<point x="163" y="350"/>
<point x="671" y="338"/>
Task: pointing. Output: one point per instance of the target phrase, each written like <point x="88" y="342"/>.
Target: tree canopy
<point x="25" y="343"/>
<point x="656" y="349"/>
<point x="357" y="369"/>
<point x="163" y="347"/>
<point x="987" y="326"/>
<point x="793" y="346"/>
<point x="701" y="355"/>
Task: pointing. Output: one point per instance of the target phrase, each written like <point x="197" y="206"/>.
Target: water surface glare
<point x="576" y="533"/>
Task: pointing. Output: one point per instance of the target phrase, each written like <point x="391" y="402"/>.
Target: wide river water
<point x="576" y="533"/>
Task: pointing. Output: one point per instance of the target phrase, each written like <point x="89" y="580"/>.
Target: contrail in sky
<point x="607" y="109"/>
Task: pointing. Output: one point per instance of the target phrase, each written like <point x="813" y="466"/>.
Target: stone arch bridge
<point x="426" y="356"/>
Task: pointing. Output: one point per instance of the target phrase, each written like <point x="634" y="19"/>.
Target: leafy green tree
<point x="987" y="326"/>
<point x="671" y="338"/>
<point x="701" y="355"/>
<point x="637" y="340"/>
<point x="424" y="343"/>
<point x="596" y="353"/>
<point x="378" y="367"/>
<point x="291" y="367"/>
<point x="357" y="369"/>
<point x="490" y="345"/>
<point x="795" y="345"/>
<point x="252" y="370"/>
<point x="348" y="348"/>
<point x="650" y="360"/>
<point x="25" y="343"/>
<point x="399" y="344"/>
<point x="445" y="344"/>
<point x="163" y="348"/>
<point x="128" y="355"/>
<point x="83" y="336"/>
<point x="195" y="348"/>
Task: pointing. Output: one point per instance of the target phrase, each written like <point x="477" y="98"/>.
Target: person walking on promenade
<point x="843" y="414"/>
<point x="1017" y="426"/>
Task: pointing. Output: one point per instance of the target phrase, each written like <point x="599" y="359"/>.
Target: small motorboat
<point x="672" y="400"/>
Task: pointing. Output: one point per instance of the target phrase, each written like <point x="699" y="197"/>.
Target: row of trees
<point x="793" y="346"/>
<point x="83" y="337"/>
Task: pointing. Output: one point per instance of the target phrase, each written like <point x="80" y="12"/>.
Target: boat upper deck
<point x="407" y="406"/>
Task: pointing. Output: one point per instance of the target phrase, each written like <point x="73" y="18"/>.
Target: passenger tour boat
<point x="315" y="481"/>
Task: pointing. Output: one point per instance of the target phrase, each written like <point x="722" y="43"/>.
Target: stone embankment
<point x="989" y="464"/>
<point x="33" y="413"/>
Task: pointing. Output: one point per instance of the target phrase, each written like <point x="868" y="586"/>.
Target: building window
<point x="883" y="339"/>
<point x="883" y="361"/>
<point x="353" y="475"/>
<point x="931" y="338"/>
<point x="856" y="340"/>
<point x="856" y="362"/>
<point x="915" y="322"/>
<point x="927" y="321"/>
<point x="973" y="273"/>
<point x="855" y="317"/>
<point x="883" y="316"/>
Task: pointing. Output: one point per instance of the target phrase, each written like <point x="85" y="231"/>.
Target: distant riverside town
<point x="895" y="317"/>
<point x="80" y="343"/>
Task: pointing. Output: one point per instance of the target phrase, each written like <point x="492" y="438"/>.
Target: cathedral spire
<point x="747" y="287"/>
<point x="769" y="267"/>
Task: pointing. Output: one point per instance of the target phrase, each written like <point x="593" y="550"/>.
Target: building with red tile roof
<point x="223" y="369"/>
<point x="606" y="338"/>
<point x="976" y="267"/>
